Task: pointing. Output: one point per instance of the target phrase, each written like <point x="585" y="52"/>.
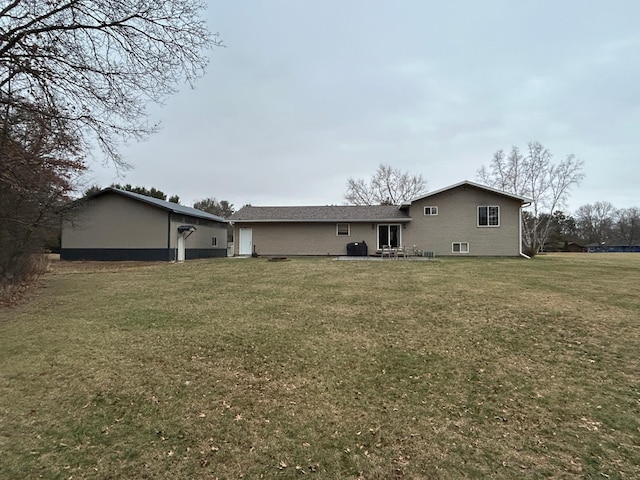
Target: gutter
<point x="522" y="254"/>
<point x="336" y="220"/>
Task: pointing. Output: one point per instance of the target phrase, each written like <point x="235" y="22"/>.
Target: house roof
<point x="348" y="213"/>
<point x="474" y="185"/>
<point x="332" y="213"/>
<point x="169" y="206"/>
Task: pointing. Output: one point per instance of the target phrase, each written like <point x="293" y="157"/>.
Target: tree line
<point x="149" y="192"/>
<point x="595" y="224"/>
<point x="221" y="208"/>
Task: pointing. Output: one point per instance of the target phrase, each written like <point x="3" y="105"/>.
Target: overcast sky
<point x="307" y="94"/>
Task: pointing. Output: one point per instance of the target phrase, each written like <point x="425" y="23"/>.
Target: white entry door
<point x="181" y="253"/>
<point x="246" y="242"/>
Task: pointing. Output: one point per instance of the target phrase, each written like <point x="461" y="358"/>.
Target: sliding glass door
<point x="389" y="235"/>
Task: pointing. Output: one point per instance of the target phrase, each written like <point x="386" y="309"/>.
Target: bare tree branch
<point x="97" y="63"/>
<point x="534" y="176"/>
<point x="387" y="186"/>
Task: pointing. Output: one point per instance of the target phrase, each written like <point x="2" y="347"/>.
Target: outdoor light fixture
<point x="186" y="229"/>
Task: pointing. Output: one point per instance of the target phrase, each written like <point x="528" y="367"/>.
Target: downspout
<point x="520" y="229"/>
<point x="169" y="237"/>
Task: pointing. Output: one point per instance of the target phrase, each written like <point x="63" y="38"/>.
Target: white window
<point x="343" y="229"/>
<point x="489" y="216"/>
<point x="430" y="210"/>
<point x="460" y="247"/>
<point x="214" y="241"/>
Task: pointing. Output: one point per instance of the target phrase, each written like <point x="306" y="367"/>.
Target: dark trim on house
<point x="117" y="254"/>
<point x="137" y="254"/>
<point x="193" y="253"/>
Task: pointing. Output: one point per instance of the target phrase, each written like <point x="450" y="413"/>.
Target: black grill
<point x="357" y="249"/>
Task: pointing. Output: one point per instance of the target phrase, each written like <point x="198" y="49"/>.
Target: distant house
<point x="613" y="247"/>
<point x="465" y="219"/>
<point x="115" y="224"/>
<point x="573" y="247"/>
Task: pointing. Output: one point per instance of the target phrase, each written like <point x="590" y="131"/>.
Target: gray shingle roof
<point x="333" y="213"/>
<point x="172" y="207"/>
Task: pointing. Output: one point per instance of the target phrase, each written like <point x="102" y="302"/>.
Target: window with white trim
<point x="489" y="216"/>
<point x="214" y="241"/>
<point x="460" y="247"/>
<point x="389" y="236"/>
<point x="343" y="229"/>
<point x="430" y="210"/>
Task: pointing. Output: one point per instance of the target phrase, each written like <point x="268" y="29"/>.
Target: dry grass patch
<point x="469" y="368"/>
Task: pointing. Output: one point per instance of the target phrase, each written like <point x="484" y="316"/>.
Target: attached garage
<point x="118" y="225"/>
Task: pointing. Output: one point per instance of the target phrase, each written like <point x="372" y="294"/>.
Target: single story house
<point x="119" y="225"/>
<point x="463" y="219"/>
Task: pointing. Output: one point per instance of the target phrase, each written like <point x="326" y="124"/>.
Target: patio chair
<point x="387" y="251"/>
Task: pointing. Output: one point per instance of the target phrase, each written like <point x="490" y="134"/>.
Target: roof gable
<point x="163" y="204"/>
<point x="521" y="199"/>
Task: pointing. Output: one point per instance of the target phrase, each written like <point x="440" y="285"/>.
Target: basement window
<point x="460" y="247"/>
<point x="430" y="210"/>
<point x="343" y="229"/>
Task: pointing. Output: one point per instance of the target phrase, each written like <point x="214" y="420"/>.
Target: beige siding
<point x="202" y="237"/>
<point x="114" y="221"/>
<point x="457" y="222"/>
<point x="282" y="239"/>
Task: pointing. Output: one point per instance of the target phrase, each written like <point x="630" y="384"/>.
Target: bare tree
<point x="535" y="176"/>
<point x="627" y="222"/>
<point x="595" y="221"/>
<point x="93" y="65"/>
<point x="38" y="168"/>
<point x="388" y="186"/>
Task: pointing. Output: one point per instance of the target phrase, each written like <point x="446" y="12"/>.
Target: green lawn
<point x="246" y="368"/>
